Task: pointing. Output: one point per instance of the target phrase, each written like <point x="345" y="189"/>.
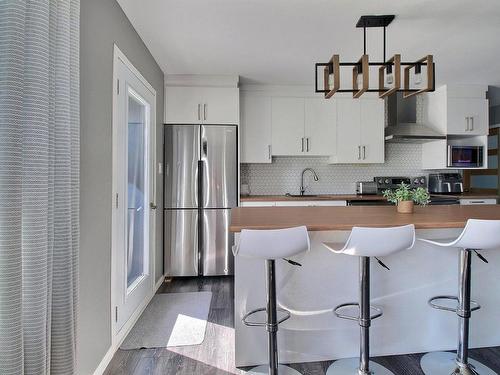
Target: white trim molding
<point x="201" y="80"/>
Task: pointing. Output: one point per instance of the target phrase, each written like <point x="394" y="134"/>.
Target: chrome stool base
<point x="445" y="363"/>
<point x="350" y="366"/>
<point x="282" y="370"/>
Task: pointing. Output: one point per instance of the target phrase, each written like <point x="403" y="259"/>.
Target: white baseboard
<point x="120" y="336"/>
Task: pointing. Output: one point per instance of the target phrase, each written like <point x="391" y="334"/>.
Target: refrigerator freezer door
<point x="217" y="243"/>
<point x="181" y="242"/>
<point x="220" y="164"/>
<point x="182" y="152"/>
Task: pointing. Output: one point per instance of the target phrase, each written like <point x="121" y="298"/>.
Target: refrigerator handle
<point x="204" y="147"/>
<point x="200" y="184"/>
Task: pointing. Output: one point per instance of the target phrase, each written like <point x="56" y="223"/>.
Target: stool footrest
<point x="378" y="312"/>
<point x="474" y="305"/>
<point x="263" y="324"/>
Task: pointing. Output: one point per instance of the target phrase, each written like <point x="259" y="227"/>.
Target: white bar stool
<point x="477" y="235"/>
<point x="366" y="243"/>
<point x="271" y="245"/>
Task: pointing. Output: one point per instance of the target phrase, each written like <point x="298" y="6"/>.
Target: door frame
<point x="117" y="336"/>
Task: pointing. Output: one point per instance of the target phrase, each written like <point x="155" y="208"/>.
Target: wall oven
<point x="465" y="156"/>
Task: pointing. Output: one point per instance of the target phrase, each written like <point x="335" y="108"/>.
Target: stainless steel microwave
<point x="465" y="156"/>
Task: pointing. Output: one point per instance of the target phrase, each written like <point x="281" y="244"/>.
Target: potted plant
<point x="405" y="198"/>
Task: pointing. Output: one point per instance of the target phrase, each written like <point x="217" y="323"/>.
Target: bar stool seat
<point x="477" y="235"/>
<point x="366" y="243"/>
<point x="270" y="245"/>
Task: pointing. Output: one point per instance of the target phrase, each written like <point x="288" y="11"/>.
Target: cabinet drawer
<point x="257" y="204"/>
<point x="478" y="201"/>
<point x="310" y="203"/>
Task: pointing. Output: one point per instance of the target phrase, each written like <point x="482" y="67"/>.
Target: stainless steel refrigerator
<point x="201" y="176"/>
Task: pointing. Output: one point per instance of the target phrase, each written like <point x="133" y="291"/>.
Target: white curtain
<point x="39" y="185"/>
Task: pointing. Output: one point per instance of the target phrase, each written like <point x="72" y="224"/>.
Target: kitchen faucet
<point x="315" y="176"/>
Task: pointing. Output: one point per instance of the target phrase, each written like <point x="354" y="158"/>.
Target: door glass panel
<point x="137" y="262"/>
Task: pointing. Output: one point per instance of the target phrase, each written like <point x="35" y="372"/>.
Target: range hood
<point x="402" y="122"/>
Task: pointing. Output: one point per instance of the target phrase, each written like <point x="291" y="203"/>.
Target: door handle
<point x="205" y="111"/>
<point x="199" y="112"/>
<point x="359" y="152"/>
<point x="471" y="123"/>
<point x="364" y="152"/>
<point x="152" y="206"/>
<point x="269" y="151"/>
<point x="307" y="144"/>
<point x="302" y="144"/>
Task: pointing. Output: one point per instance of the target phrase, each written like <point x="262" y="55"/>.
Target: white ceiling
<point x="278" y="41"/>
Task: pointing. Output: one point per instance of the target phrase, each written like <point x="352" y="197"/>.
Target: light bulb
<point x="330" y="80"/>
<point x="360" y="80"/>
<point x="418" y="75"/>
<point x="389" y="78"/>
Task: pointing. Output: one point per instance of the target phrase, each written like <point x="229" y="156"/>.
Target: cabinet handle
<point x="364" y="152"/>
<point x="199" y="112"/>
<point x="471" y="123"/>
<point x="359" y="152"/>
<point x="307" y="144"/>
<point x="467" y="124"/>
<point x="302" y="144"/>
<point x="205" y="111"/>
<point x="269" y="151"/>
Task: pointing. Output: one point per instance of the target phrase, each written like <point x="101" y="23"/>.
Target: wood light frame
<point x="365" y="67"/>
<point x="428" y="61"/>
<point x="395" y="61"/>
<point x="332" y="67"/>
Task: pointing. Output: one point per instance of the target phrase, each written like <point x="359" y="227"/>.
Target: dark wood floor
<point x="215" y="356"/>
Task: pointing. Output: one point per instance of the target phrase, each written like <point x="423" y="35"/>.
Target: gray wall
<point x="102" y="24"/>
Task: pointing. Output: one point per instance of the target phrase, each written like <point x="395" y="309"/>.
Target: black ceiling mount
<point x="375" y="21"/>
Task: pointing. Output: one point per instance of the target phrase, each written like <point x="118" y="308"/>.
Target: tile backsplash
<point x="283" y="174"/>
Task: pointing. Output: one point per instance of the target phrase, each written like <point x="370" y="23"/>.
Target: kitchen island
<point x="326" y="280"/>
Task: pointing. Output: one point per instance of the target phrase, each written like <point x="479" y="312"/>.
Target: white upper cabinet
<point x="467" y="116"/>
<point x="255" y="129"/>
<point x="189" y="101"/>
<point x="372" y="131"/>
<point x="457" y="110"/>
<point x="220" y="105"/>
<point x="303" y="126"/>
<point x="360" y="131"/>
<point x="182" y="105"/>
<point x="348" y="131"/>
<point x="320" y="126"/>
<point x="287" y="119"/>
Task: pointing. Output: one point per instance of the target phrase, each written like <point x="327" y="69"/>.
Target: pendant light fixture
<point x="389" y="70"/>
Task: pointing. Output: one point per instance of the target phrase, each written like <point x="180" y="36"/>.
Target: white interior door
<point x="133" y="187"/>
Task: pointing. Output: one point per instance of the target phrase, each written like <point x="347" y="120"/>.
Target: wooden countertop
<point x="344" y="218"/>
<point x="346" y="197"/>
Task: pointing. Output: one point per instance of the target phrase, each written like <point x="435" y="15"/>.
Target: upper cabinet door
<point x="287" y="119"/>
<point x="467" y="116"/>
<point x="372" y="131"/>
<point x="348" y="131"/>
<point x="183" y="105"/>
<point x="255" y="129"/>
<point x="320" y="126"/>
<point x="220" y="105"/>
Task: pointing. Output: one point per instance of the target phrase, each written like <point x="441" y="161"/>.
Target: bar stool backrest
<point x="273" y="243"/>
<point x="479" y="235"/>
<point x="379" y="242"/>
